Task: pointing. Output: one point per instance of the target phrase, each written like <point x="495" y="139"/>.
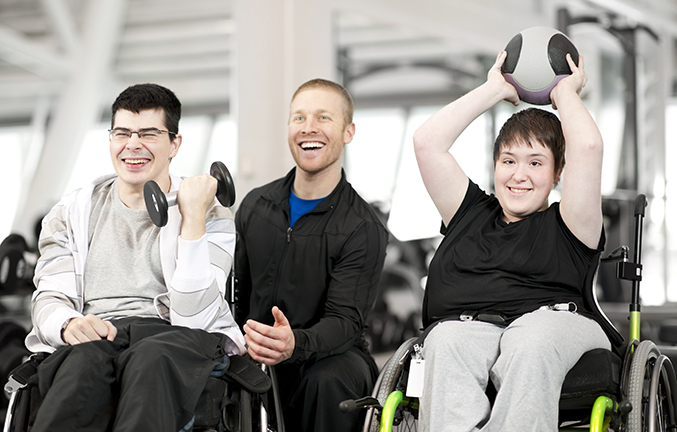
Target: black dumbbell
<point x="16" y="264"/>
<point x="157" y="203"/>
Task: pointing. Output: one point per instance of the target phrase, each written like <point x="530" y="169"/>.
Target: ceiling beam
<point x="658" y="15"/>
<point x="480" y="25"/>
<point x="64" y="25"/>
<point x="39" y="59"/>
<point x="77" y="109"/>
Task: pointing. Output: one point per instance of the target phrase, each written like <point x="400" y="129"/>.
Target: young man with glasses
<point x="135" y="315"/>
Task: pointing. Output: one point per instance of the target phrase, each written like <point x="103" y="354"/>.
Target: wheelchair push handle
<point x="640" y="205"/>
<point x="351" y="405"/>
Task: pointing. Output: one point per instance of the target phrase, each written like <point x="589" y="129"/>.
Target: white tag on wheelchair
<point x="415" y="381"/>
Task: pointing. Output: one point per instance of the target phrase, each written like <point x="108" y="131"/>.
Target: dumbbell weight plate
<point x="225" y="192"/>
<point x="15" y="240"/>
<point x="156" y="203"/>
<point x="12" y="268"/>
<point x="12" y="263"/>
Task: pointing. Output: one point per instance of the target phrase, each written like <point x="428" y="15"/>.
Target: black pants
<point x="148" y="379"/>
<point x="311" y="391"/>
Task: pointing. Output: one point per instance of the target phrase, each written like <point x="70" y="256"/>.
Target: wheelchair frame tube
<point x="389" y="408"/>
<point x="263" y="414"/>
<point x="634" y="325"/>
<point x="635" y="307"/>
<point x="9" y="416"/>
<point x="602" y="405"/>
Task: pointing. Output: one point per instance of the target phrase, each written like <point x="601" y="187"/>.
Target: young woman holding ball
<point x="504" y="290"/>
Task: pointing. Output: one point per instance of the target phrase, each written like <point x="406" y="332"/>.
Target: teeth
<point x="311" y="145"/>
<point x="135" y="161"/>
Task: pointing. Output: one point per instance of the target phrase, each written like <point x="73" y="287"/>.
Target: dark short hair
<point x="139" y="97"/>
<point x="348" y="105"/>
<point x="531" y="125"/>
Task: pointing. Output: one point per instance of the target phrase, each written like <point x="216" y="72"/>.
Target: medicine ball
<point x="536" y="62"/>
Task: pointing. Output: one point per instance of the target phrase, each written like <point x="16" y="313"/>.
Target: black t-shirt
<point x="487" y="265"/>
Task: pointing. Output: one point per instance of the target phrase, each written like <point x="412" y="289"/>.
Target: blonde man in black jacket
<point x="309" y="257"/>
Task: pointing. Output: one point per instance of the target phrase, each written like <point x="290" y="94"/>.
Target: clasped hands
<point x="88" y="328"/>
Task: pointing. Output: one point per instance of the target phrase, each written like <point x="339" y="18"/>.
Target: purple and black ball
<point x="536" y="62"/>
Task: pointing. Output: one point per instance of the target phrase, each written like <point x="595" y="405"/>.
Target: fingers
<point x="112" y="331"/>
<point x="577" y="70"/>
<point x="280" y="318"/>
<point x="572" y="63"/>
<point x="580" y="69"/>
<point x="495" y="78"/>
<point x="260" y="353"/>
<point x="195" y="197"/>
<point x="87" y="329"/>
<point x="270" y="344"/>
<point x="500" y="58"/>
<point x="496" y="68"/>
<point x="261" y="334"/>
<point x="571" y="83"/>
<point x="198" y="190"/>
<point x="260" y="345"/>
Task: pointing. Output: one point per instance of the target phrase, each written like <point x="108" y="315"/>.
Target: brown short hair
<point x="141" y="97"/>
<point x="529" y="125"/>
<point x="348" y="105"/>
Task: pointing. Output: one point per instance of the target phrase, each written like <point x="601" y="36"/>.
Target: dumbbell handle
<point x="171" y="198"/>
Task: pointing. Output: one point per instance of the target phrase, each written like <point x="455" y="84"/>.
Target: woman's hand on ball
<point x="574" y="82"/>
<point x="495" y="77"/>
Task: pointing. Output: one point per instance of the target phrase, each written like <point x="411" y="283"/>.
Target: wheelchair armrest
<point x="246" y="373"/>
<point x="18" y="378"/>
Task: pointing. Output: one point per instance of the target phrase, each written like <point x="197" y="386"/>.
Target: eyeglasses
<point x="146" y="136"/>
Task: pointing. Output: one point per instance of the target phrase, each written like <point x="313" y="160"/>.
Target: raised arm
<point x="205" y="248"/>
<point x="581" y="206"/>
<point x="442" y="175"/>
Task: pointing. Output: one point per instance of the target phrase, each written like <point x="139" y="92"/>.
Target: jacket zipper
<point x="279" y="269"/>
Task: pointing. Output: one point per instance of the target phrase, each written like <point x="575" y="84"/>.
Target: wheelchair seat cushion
<point x="597" y="372"/>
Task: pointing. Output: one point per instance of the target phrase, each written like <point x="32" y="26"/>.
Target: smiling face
<point x="136" y="162"/>
<point x="523" y="178"/>
<point x="318" y="131"/>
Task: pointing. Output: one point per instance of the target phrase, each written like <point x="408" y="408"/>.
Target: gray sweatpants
<point x="527" y="362"/>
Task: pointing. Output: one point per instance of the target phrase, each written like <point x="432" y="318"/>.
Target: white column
<point x="75" y="112"/>
<point x="279" y="45"/>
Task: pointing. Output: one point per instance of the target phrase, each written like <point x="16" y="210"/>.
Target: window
<point x="381" y="165"/>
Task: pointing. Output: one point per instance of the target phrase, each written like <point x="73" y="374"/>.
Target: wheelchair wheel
<point x="264" y="410"/>
<point x="386" y="383"/>
<point x="251" y="412"/>
<point x="651" y="390"/>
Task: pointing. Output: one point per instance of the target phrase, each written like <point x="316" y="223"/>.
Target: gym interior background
<point x="235" y="63"/>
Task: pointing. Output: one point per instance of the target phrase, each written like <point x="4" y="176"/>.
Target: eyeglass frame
<point x="138" y="133"/>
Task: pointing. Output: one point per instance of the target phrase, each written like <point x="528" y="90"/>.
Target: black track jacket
<point x="322" y="273"/>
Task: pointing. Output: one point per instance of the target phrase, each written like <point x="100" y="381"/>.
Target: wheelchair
<point x="242" y="398"/>
<point x="631" y="388"/>
<point x="240" y="395"/>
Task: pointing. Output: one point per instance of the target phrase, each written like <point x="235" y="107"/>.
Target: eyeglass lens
<point x="124" y="135"/>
